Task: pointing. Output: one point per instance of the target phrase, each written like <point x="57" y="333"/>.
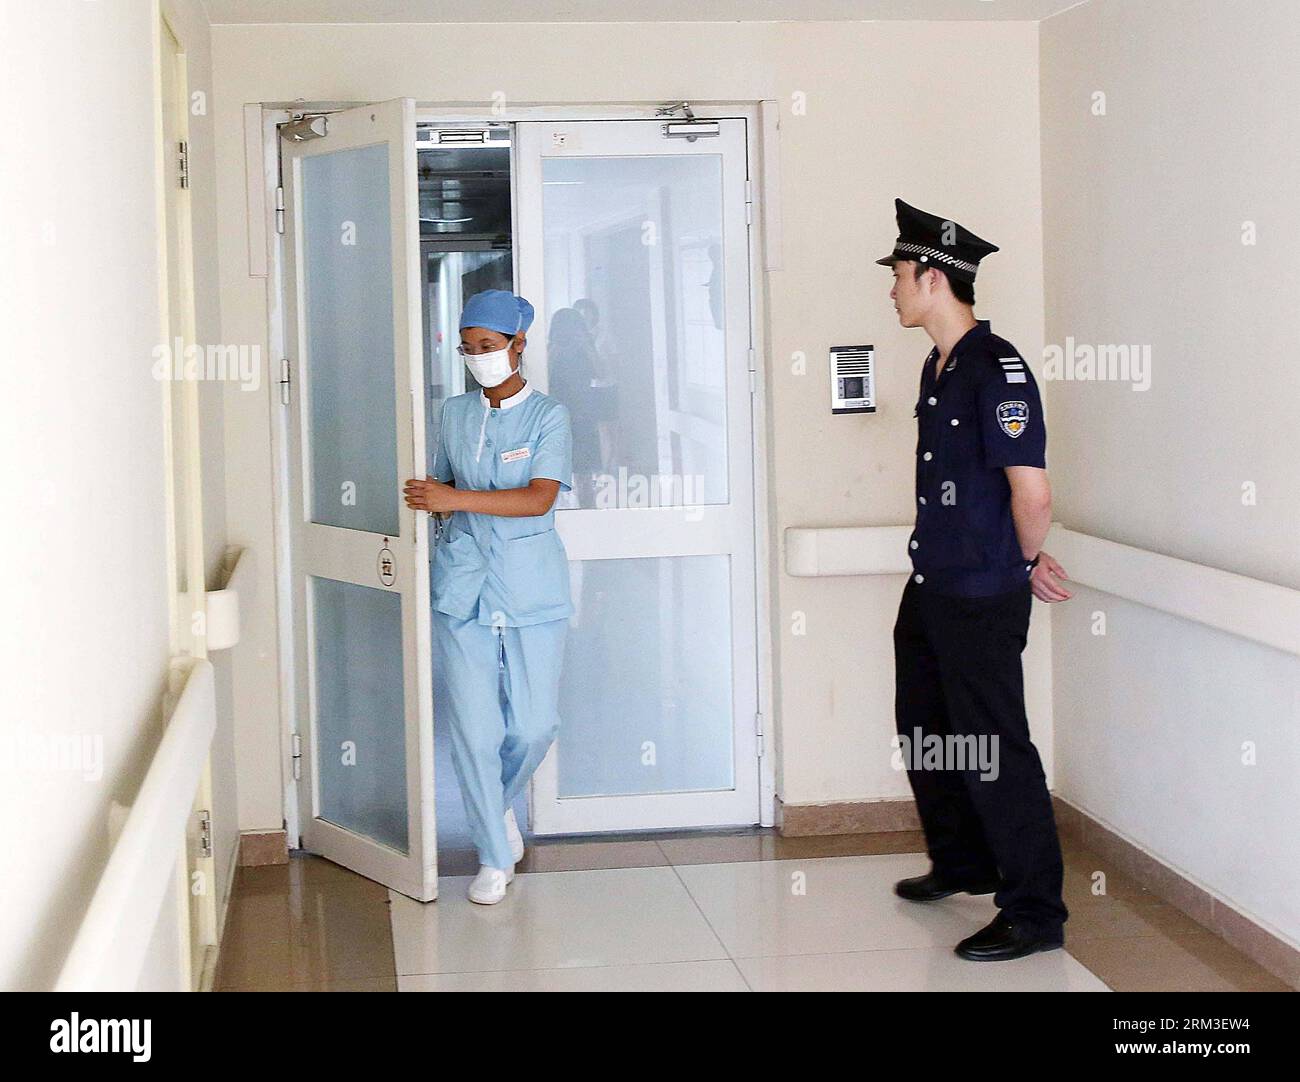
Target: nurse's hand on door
<point x="429" y="495"/>
<point x="533" y="499"/>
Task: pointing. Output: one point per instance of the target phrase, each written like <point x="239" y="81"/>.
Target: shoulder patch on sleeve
<point x="1013" y="417"/>
<point x="1013" y="368"/>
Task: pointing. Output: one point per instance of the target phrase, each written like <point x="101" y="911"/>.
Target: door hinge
<point x="285" y="379"/>
<point x="205" y="832"/>
<point x="749" y="202"/>
<point x="296" y="744"/>
<point x="758" y="732"/>
<point x="279" y="209"/>
<point x="753" y="372"/>
<point x="183" y="164"/>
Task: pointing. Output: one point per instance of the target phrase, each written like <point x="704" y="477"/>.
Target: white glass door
<point x="360" y="564"/>
<point x="633" y="247"/>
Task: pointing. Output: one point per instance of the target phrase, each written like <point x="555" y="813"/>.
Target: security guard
<point x="983" y="507"/>
<point x="500" y="578"/>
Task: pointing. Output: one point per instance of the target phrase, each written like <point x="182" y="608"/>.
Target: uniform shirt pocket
<point x="458" y="573"/>
<point x="958" y="431"/>
<point x="536" y="573"/>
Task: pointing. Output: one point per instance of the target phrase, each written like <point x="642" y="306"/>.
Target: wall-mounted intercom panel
<point x="853" y="379"/>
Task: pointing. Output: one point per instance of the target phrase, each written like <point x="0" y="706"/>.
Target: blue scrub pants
<point x="500" y="687"/>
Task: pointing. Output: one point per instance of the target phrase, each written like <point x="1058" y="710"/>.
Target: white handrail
<point x="110" y="947"/>
<point x="236" y="593"/>
<point x="1262" y="612"/>
<point x="847" y="550"/>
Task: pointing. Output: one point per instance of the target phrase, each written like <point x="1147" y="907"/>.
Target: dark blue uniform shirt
<point x="982" y="413"/>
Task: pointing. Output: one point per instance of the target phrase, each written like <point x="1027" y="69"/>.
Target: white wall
<point x="883" y="118"/>
<point x="879" y="125"/>
<point x="1143" y="223"/>
<point x="82" y="448"/>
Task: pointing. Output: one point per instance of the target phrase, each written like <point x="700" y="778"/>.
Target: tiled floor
<point x="729" y="912"/>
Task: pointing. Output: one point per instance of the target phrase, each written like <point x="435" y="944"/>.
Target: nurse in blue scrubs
<point x="500" y="577"/>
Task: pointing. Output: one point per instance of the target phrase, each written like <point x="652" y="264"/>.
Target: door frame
<point x="263" y="177"/>
<point x="182" y="456"/>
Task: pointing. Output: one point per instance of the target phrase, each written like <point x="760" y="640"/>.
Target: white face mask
<point x="490" y="369"/>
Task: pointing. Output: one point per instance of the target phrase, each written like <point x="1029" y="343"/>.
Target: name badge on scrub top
<point x="516" y="454"/>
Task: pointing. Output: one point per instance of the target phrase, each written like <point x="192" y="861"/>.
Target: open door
<point x="360" y="557"/>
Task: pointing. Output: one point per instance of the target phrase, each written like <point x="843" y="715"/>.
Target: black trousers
<point x="957" y="663"/>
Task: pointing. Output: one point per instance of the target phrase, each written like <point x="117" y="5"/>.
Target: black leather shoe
<point x="1000" y="941"/>
<point x="930" y="888"/>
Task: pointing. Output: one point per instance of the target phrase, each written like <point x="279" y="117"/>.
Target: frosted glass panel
<point x="360" y="710"/>
<point x="348" y="280"/>
<point x="645" y="700"/>
<point x="635" y="327"/>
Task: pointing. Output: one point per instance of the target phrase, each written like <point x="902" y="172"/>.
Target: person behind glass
<point x="983" y="508"/>
<point x="571" y="354"/>
<point x="500" y="578"/>
<point x="603" y="389"/>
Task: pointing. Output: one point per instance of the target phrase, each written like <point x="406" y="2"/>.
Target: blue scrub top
<point x="982" y="414"/>
<point x="509" y="572"/>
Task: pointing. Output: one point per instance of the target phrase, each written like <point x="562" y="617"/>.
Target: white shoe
<point x="513" y="836"/>
<point x="489" y="886"/>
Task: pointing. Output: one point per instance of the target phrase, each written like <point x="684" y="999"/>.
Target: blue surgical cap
<point x="497" y="310"/>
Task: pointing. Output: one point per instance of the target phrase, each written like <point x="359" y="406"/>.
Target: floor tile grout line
<point x="735" y="959"/>
<point x="569" y="969"/>
<point x="704" y="916"/>
<point x="687" y="864"/>
<point x="868" y="950"/>
<point x="550" y="969"/>
<point x="880" y="950"/>
<point x="1075" y="862"/>
<point x="392" y="931"/>
<point x="297" y="986"/>
<point x="695" y="902"/>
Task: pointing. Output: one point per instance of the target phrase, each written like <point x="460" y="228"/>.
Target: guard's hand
<point x="429" y="495"/>
<point x="1045" y="580"/>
